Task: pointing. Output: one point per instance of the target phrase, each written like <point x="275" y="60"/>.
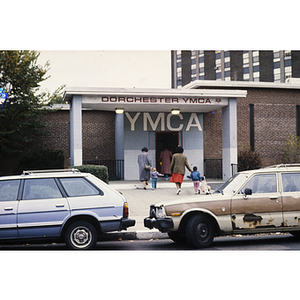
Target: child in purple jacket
<point x="154" y="175"/>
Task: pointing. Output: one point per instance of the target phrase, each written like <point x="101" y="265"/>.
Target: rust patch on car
<point x="252" y="221"/>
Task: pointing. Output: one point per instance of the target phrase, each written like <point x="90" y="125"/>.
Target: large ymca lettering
<point x="160" y="119"/>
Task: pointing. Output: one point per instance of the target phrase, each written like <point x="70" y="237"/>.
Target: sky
<point x="97" y="68"/>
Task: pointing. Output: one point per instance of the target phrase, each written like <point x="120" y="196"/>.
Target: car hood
<point x="192" y="199"/>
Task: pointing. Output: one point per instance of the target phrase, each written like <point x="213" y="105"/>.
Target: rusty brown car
<point x="266" y="200"/>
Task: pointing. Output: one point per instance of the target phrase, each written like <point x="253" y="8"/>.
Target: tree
<point x="291" y="152"/>
<point x="21" y="114"/>
<point x="248" y="159"/>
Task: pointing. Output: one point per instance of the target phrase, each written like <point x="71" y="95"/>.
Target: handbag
<point x="147" y="167"/>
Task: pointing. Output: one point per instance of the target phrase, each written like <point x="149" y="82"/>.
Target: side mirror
<point x="247" y="193"/>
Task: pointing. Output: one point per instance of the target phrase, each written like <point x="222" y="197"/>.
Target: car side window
<point x="262" y="183"/>
<point x="44" y="188"/>
<point x="76" y="187"/>
<point x="9" y="190"/>
<point x="290" y="182"/>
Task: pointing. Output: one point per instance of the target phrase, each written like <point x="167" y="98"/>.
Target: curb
<point x="133" y="235"/>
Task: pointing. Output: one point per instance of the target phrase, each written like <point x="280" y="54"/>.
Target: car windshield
<point x="232" y="184"/>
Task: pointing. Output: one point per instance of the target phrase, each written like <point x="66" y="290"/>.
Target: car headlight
<point x="160" y="212"/>
<point x="157" y="212"/>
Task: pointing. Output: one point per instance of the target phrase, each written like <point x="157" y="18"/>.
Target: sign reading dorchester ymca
<point x="171" y="100"/>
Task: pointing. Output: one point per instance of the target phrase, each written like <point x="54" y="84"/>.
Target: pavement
<point x="139" y="201"/>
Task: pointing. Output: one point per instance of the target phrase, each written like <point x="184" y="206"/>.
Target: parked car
<point x="60" y="204"/>
<point x="257" y="201"/>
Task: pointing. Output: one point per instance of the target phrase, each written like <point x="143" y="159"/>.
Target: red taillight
<point x="125" y="210"/>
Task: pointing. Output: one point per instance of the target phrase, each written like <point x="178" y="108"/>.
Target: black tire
<point x="81" y="235"/>
<point x="296" y="234"/>
<point x="200" y="231"/>
<point x="177" y="237"/>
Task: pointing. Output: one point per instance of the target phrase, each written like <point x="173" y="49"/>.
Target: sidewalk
<point x="139" y="201"/>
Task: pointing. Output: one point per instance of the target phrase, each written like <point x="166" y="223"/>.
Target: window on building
<point x="201" y="65"/>
<point x="246" y="65"/>
<point x="193" y="66"/>
<point x="178" y="69"/>
<point x="287" y="64"/>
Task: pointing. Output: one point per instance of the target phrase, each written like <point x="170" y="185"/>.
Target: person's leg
<point x="197" y="187"/>
<point x="178" y="185"/>
<point x="144" y="183"/>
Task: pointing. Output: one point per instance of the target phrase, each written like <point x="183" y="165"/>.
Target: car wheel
<point x="200" y="231"/>
<point x="296" y="234"/>
<point x="177" y="237"/>
<point x="81" y="236"/>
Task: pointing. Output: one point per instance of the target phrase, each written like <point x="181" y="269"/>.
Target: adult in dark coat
<point x="165" y="158"/>
<point x="144" y="160"/>
<point x="178" y="164"/>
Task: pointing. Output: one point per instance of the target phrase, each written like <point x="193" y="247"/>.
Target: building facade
<point x="259" y="66"/>
<point x="225" y="100"/>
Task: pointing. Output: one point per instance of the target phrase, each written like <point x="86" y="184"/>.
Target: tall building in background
<point x="260" y="66"/>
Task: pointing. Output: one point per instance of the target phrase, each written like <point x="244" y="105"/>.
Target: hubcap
<point x="202" y="231"/>
<point x="81" y="237"/>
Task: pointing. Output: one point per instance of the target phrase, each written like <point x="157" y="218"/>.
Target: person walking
<point x="154" y="176"/>
<point x="178" y="164"/>
<point x="144" y="166"/>
<point x="165" y="159"/>
<point x="195" y="176"/>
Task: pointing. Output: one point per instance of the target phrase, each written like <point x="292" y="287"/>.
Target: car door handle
<point x="59" y="205"/>
<point x="273" y="197"/>
<point x="8" y="208"/>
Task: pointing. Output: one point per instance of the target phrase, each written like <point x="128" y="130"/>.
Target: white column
<point x="229" y="137"/>
<point x="76" y="131"/>
<point x="119" y="144"/>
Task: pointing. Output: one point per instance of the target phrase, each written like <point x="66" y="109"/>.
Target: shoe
<point x="144" y="188"/>
<point x="198" y="191"/>
<point x="178" y="191"/>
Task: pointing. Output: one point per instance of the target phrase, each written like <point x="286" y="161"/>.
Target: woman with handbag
<point x="144" y="166"/>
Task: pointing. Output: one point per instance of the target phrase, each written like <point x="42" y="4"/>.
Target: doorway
<point x="165" y="140"/>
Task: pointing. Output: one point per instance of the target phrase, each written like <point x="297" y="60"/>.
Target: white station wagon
<point x="60" y="204"/>
<point x="257" y="201"/>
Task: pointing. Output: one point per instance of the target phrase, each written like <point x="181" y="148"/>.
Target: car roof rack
<point x="285" y="165"/>
<point x="73" y="170"/>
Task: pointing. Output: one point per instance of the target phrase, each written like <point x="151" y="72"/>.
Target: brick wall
<point x="274" y="119"/>
<point x="98" y="134"/>
<point x="59" y="128"/>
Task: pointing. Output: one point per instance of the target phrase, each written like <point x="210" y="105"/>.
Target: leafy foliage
<point x="248" y="159"/>
<point x="21" y="119"/>
<point x="97" y="170"/>
<point x="40" y="159"/>
<point x="291" y="152"/>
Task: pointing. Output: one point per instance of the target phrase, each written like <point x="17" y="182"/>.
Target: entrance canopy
<point x="152" y="100"/>
<point x="159" y="101"/>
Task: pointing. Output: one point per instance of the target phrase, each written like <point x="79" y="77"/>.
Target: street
<point x="269" y="242"/>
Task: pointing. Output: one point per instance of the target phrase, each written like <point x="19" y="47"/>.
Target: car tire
<point x="177" y="237"/>
<point x="296" y="234"/>
<point x="81" y="236"/>
<point x="200" y="231"/>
